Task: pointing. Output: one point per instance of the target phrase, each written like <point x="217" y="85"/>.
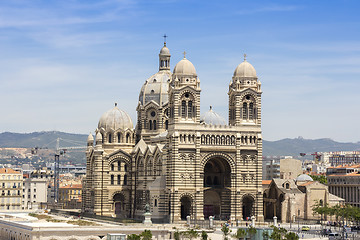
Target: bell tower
<point x="184" y="93"/>
<point x="245" y="96"/>
<point x="164" y="57"/>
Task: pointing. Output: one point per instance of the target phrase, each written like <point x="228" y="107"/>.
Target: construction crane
<point x="59" y="152"/>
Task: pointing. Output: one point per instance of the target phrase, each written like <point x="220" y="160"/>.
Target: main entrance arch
<point x="217" y="185"/>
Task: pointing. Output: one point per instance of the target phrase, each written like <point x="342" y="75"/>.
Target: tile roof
<point x="72" y="186"/>
<point x="266" y="182"/>
<point x="9" y="171"/>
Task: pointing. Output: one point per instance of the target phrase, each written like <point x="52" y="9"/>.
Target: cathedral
<point x="175" y="161"/>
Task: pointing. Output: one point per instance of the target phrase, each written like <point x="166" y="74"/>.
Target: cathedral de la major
<point x="175" y="160"/>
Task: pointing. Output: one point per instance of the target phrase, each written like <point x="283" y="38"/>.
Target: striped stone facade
<point x="183" y="166"/>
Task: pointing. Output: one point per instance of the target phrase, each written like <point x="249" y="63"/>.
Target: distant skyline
<point x="64" y="63"/>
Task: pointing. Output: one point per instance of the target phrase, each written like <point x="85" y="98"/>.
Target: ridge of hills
<point x="283" y="147"/>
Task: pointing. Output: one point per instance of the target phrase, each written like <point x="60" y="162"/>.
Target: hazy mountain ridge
<point x="294" y="147"/>
<point x="44" y="139"/>
<point x="283" y="147"/>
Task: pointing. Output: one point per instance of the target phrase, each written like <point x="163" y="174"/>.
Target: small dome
<point x="115" y="119"/>
<point x="165" y="51"/>
<point x="156" y="88"/>
<point x="304" y="178"/>
<point x="90" y="138"/>
<point x="184" y="67"/>
<point x="98" y="137"/>
<point x="245" y="69"/>
<point x="211" y="117"/>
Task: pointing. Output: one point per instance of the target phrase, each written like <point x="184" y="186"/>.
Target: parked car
<point x="334" y="236"/>
<point x="305" y="228"/>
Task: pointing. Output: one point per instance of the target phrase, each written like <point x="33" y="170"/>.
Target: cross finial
<point x="184" y="54"/>
<point x="165" y="36"/>
<point x="245" y="57"/>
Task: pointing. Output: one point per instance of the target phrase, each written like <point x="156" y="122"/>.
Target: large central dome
<point x="156" y="88"/>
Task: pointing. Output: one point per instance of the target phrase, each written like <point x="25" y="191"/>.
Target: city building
<point x="11" y="184"/>
<point x="177" y="163"/>
<point x="290" y="199"/>
<point x="290" y="168"/>
<point x="35" y="193"/>
<point x="70" y="196"/>
<point x="344" y="182"/>
<point x="340" y="158"/>
<point x="287" y="168"/>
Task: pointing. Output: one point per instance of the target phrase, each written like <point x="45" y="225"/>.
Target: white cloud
<point x="271" y="8"/>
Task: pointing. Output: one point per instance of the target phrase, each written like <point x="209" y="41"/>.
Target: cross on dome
<point x="165" y="36"/>
<point x="245" y="57"/>
<point x="184" y="54"/>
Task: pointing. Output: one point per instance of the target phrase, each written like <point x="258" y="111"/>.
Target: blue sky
<point x="64" y="63"/>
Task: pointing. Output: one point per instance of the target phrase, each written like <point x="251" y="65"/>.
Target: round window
<point x="153" y="113"/>
<point x="247" y="97"/>
<point x="186" y="95"/>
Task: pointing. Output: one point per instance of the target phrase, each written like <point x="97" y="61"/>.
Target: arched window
<point x="287" y="186"/>
<point x="155" y="202"/>
<point x="166" y="124"/>
<point x="150" y="125"/>
<point x="125" y="179"/>
<point x="112" y="167"/>
<point x="245" y="111"/>
<point x="154" y="122"/>
<point x="127" y="138"/>
<point x="118" y="179"/>
<point x="119" y="165"/>
<point x="109" y="138"/>
<point x="112" y="180"/>
<point x="190" y="109"/>
<point x="125" y="167"/>
<point x="251" y="111"/>
<point x="118" y="137"/>
<point x="102" y="138"/>
<point x="183" y="109"/>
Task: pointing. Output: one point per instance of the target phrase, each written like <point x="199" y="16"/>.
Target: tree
<point x="240" y="234"/>
<point x="252" y="231"/>
<point x="291" y="236"/>
<point x="177" y="235"/>
<point x="133" y="237"/>
<point x="278" y="233"/>
<point x="204" y="235"/>
<point x="146" y="235"/>
<point x="226" y="231"/>
<point x="191" y="234"/>
<point x="320" y="178"/>
<point x="266" y="235"/>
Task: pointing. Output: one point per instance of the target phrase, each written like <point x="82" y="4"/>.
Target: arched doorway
<point x="212" y="204"/>
<point x="119" y="205"/>
<point x="247" y="207"/>
<point x="217" y="185"/>
<point x="186" y="207"/>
